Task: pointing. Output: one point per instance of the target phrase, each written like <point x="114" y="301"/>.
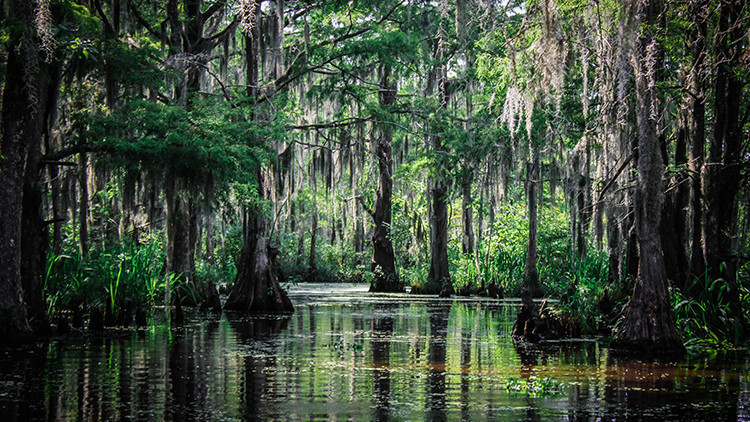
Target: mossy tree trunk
<point x="648" y="328"/>
<point x="438" y="279"/>
<point x="530" y="272"/>
<point x="383" y="263"/>
<point x="257" y="288"/>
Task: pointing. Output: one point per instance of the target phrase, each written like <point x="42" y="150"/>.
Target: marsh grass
<point x="123" y="274"/>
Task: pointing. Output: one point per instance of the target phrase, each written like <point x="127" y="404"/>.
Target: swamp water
<point x="346" y="354"/>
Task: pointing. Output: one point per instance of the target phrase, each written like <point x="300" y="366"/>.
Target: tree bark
<point x="83" y="208"/>
<point x="383" y="264"/>
<point x="467" y="238"/>
<point x="312" y="263"/>
<point x="178" y="242"/>
<point x="34" y="239"/>
<point x="722" y="174"/>
<point x="21" y="122"/>
<point x="257" y="287"/>
<point x="613" y="245"/>
<point x="697" y="128"/>
<point x="354" y="171"/>
<point x="648" y="327"/>
<point x="673" y="216"/>
<point x="530" y="273"/>
<point x="438" y="279"/>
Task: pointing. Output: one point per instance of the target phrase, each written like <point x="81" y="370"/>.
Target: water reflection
<point x="355" y="356"/>
<point x="382" y="330"/>
<point x="435" y="404"/>
<point x="255" y="384"/>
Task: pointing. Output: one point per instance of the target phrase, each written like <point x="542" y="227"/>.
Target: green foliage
<point x="503" y="255"/>
<point x="125" y="273"/>
<point x="580" y="300"/>
<point x="131" y="66"/>
<point x="708" y="321"/>
<point x="210" y="140"/>
<point x="335" y="263"/>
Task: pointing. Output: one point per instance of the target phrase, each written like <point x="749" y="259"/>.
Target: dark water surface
<point x="349" y="355"/>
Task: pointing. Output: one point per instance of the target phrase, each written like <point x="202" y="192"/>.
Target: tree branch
<point x="617" y="174"/>
<point x="213" y="9"/>
<point x="143" y="22"/>
<point x="207" y="44"/>
<point x="286" y="78"/>
<point x="108" y="28"/>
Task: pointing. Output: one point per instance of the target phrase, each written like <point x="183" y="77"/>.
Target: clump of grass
<point x="116" y="276"/>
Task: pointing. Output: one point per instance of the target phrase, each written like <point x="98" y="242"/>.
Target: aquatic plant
<point x="534" y="386"/>
<point x="707" y="320"/>
<point x="113" y="276"/>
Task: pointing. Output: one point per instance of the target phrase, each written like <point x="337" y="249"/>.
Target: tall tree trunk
<point x="312" y="263"/>
<point x="178" y="241"/>
<point x="599" y="205"/>
<point x="34" y="235"/>
<point x="354" y="171"/>
<point x="722" y="174"/>
<point x="257" y="287"/>
<point x="673" y="216"/>
<point x="210" y="254"/>
<point x="554" y="179"/>
<point x="530" y="273"/>
<point x="613" y="245"/>
<point x="697" y="34"/>
<point x="383" y="263"/>
<point x="648" y="327"/>
<point x="127" y="216"/>
<point x="438" y="279"/>
<point x="21" y="122"/>
<point x="59" y="208"/>
<point x="58" y="211"/>
<point x="576" y="186"/>
<point x="83" y="208"/>
<point x="467" y="238"/>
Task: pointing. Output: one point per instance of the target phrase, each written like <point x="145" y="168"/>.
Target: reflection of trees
<point x="382" y="329"/>
<point x="191" y="357"/>
<point x="466" y="363"/>
<point x="255" y="382"/>
<point x="24" y="368"/>
<point x="181" y="375"/>
<point x="529" y="356"/>
<point x="435" y="403"/>
<point x="636" y="388"/>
